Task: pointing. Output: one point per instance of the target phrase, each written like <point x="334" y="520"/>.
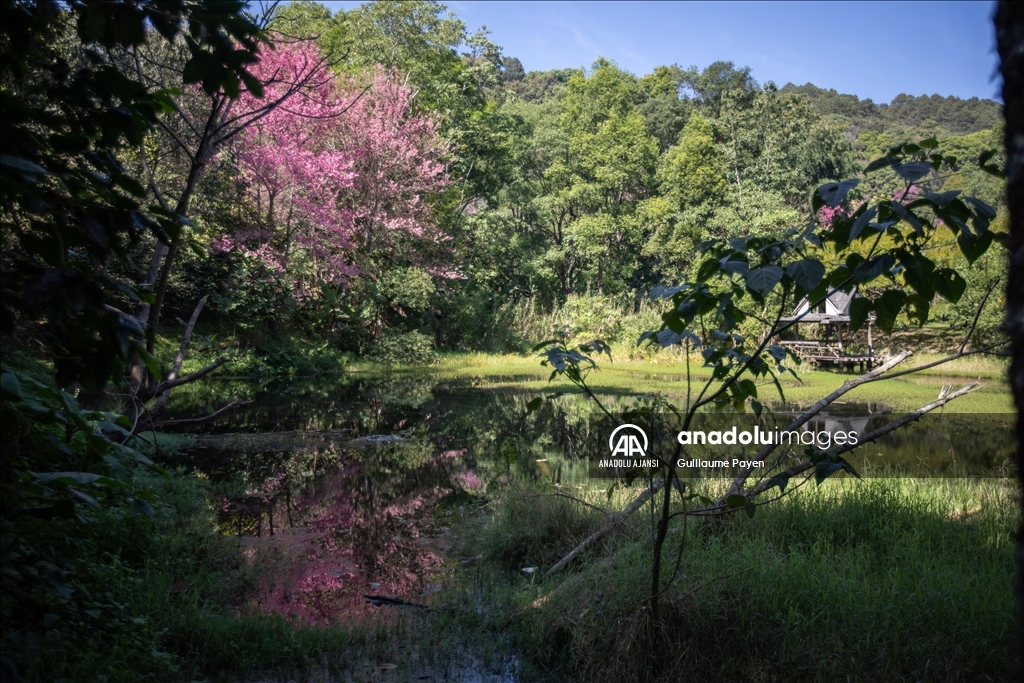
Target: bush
<point x="410" y="348"/>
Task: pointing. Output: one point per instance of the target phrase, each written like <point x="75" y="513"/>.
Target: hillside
<point x="951" y="114"/>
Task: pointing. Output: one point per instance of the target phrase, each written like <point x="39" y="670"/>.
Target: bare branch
<point x="918" y="368"/>
<point x="185" y="149"/>
<point x="186" y="339"/>
<point x="197" y="420"/>
<point x="977" y="315"/>
<point x="613" y="520"/>
<point x="870" y="436"/>
<point x="191" y="377"/>
<point x="559" y="494"/>
<point x="847" y="386"/>
<point x="151" y="180"/>
<point x="906" y="419"/>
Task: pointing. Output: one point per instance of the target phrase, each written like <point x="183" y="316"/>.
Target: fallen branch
<point x="559" y="494"/>
<point x="186" y="339"/>
<point x="162" y="392"/>
<point x="197" y="420"/>
<point x="613" y="520"/>
<point x="385" y="601"/>
<point x="191" y="377"/>
<point x="878" y="374"/>
<point x="847" y="386"/>
<point x="870" y="436"/>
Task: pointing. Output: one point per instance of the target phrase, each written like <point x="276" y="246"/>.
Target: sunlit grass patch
<point x="666" y="373"/>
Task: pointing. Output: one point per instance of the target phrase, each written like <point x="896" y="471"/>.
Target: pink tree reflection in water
<point x="362" y="535"/>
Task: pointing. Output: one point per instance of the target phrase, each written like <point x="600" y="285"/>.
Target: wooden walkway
<point x="832" y="356"/>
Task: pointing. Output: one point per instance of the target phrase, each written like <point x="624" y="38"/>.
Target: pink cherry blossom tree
<point x="398" y="159"/>
<point x="339" y="169"/>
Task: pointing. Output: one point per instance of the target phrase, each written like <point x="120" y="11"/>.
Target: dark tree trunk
<point x="1009" y="21"/>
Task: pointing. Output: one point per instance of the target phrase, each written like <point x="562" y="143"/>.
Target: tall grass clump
<point x="535" y="526"/>
<point x="883" y="579"/>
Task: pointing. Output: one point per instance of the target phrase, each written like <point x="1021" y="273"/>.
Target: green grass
<point x="666" y="374"/>
<point x="630" y="371"/>
<point x="882" y="579"/>
<point x="885" y="579"/>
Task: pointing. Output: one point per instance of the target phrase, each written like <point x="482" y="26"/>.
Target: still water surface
<point x="353" y="484"/>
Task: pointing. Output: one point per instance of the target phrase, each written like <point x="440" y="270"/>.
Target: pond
<point x="354" y="486"/>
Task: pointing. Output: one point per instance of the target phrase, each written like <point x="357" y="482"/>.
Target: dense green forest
<point x="547" y="191"/>
<point x="569" y="184"/>
<point x="189" y="189"/>
<point x="570" y="188"/>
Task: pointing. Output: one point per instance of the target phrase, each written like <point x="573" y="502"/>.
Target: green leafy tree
<point x="603" y="165"/>
<point x="71" y="209"/>
<point x="693" y="184"/>
<point x="952" y="114"/>
<point x="69" y="203"/>
<point x="764" y="144"/>
<point x="710" y="86"/>
<point x="538" y="87"/>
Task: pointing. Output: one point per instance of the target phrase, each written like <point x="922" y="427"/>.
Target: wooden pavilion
<point x="829" y="349"/>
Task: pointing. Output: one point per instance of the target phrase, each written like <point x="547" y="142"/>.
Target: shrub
<point x="410" y="348"/>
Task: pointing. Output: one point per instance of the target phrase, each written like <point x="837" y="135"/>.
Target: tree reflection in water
<point x="342" y="482"/>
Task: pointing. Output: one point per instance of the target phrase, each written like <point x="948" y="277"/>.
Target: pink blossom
<point x="470" y="481"/>
<point x="828" y="215"/>
<point x="339" y="165"/>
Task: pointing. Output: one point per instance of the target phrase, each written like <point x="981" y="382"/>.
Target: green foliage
<point x="983" y="304"/>
<point x="58" y="456"/>
<point x="254" y="296"/>
<point x="763" y="278"/>
<point x="409" y="348"/>
<point x="130" y="596"/>
<point x="718" y="81"/>
<point x="693" y="172"/>
<point x="572" y="194"/>
<point x="303" y="20"/>
<point x="66" y="595"/>
<point x="70" y="204"/>
<point x="780" y="144"/>
<point x="68" y="482"/>
<point x="419" y="38"/>
<point x="597" y="161"/>
<point x="953" y="114"/>
<point x="692" y="179"/>
<point x="538" y="87"/>
<point x="664" y="110"/>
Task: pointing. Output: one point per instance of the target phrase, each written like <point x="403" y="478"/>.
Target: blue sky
<point x="871" y="49"/>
